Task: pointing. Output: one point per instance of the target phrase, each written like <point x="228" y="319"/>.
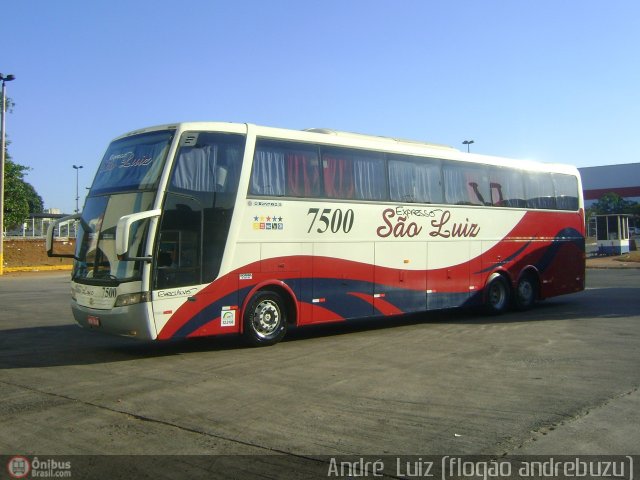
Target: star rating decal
<point x="268" y="222"/>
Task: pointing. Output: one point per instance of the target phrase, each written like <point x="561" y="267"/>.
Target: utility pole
<point x="3" y="79"/>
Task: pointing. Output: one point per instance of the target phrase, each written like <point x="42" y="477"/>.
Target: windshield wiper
<point x="106" y="276"/>
<point x="102" y="279"/>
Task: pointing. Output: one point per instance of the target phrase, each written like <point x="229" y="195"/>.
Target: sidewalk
<point x="611" y="262"/>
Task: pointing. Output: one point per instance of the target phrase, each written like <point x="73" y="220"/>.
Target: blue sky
<point x="551" y="80"/>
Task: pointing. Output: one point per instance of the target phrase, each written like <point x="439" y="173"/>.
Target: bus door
<point x="178" y="259"/>
<point x="193" y="233"/>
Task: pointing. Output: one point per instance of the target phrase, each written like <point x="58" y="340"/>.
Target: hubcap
<point x="525" y="291"/>
<point x="497" y="295"/>
<point x="266" y="318"/>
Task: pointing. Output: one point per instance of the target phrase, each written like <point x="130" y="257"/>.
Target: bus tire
<point x="265" y="319"/>
<point x="497" y="295"/>
<point x="526" y="292"/>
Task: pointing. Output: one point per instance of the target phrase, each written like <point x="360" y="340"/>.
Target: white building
<point x="623" y="179"/>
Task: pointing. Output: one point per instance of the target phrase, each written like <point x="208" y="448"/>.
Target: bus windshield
<point x="126" y="183"/>
<point x="132" y="163"/>
<point x="96" y="259"/>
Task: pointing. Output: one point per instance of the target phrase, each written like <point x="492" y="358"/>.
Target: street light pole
<point x="467" y="143"/>
<point x="3" y="79"/>
<point x="77" y="168"/>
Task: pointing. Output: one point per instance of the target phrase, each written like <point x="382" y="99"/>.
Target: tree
<point x="20" y="198"/>
<point x="612" y="203"/>
<point x="16" y="206"/>
<point x="36" y="205"/>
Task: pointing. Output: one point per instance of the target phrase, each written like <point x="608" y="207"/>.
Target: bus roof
<point x="363" y="141"/>
<point x="361" y="136"/>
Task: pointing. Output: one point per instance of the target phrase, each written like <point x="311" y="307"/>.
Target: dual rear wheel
<point x="498" y="296"/>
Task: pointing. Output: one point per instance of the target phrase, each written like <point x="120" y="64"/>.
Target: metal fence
<point x="37" y="224"/>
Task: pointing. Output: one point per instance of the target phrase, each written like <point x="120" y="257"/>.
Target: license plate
<point x="93" y="320"/>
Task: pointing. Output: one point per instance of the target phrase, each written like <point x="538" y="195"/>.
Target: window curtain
<point x="210" y="168"/>
<point x="195" y="169"/>
<point x="507" y="188"/>
<point x="303" y="177"/>
<point x="539" y="189"/>
<point x="268" y="176"/>
<point x="413" y="182"/>
<point x="402" y="187"/>
<point x="369" y="178"/>
<point x="566" y="191"/>
<point x="477" y="180"/>
<point x="455" y="186"/>
<point x="466" y="185"/>
<point x="338" y="177"/>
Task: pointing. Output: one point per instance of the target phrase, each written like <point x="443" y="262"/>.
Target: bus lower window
<point x="178" y="251"/>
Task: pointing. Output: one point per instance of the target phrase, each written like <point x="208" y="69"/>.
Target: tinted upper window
<point x="415" y="180"/>
<point x="290" y="169"/>
<point x="566" y="190"/>
<point x="507" y="187"/>
<point x="132" y="163"/>
<point x="466" y="184"/>
<point x="285" y="169"/>
<point x="354" y="174"/>
<point x="540" y="191"/>
<point x="208" y="163"/>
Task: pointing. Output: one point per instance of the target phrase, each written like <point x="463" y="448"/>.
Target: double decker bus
<point x="198" y="229"/>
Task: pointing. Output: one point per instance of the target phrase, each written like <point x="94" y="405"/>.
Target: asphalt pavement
<point x="562" y="378"/>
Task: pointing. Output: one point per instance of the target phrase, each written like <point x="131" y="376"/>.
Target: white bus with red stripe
<point x="200" y="229"/>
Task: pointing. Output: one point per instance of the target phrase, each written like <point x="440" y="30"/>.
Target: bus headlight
<point x="127" y="299"/>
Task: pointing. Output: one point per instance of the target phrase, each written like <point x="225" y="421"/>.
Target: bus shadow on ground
<point x="64" y="345"/>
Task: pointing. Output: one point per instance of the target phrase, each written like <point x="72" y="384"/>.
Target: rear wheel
<point x="497" y="295"/>
<point x="526" y="292"/>
<point x="265" y="320"/>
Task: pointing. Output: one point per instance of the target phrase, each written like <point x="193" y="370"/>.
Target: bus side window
<point x="285" y="169"/>
<point x="268" y="174"/>
<point x="507" y="187"/>
<point x="354" y="174"/>
<point x="414" y="179"/>
<point x="303" y="174"/>
<point x="539" y="191"/>
<point x="466" y="184"/>
<point x="566" y="191"/>
<point x="338" y="177"/>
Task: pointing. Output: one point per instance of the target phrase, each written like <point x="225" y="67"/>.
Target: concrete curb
<point x="38" y="268"/>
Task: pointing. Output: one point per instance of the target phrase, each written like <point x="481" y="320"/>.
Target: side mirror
<point x="50" y="232"/>
<point x="123" y="230"/>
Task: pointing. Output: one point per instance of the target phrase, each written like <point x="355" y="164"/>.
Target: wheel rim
<point x="266" y="318"/>
<point x="525" y="291"/>
<point x="497" y="295"/>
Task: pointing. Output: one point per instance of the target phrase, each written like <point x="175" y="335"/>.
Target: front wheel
<point x="497" y="295"/>
<point x="265" y="320"/>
